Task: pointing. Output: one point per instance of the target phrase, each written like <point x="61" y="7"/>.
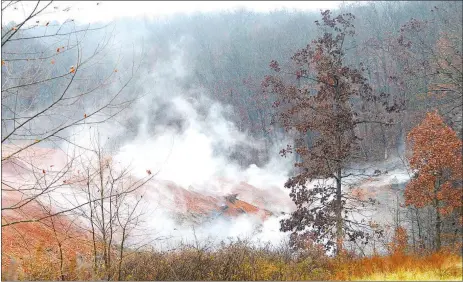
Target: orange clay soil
<point x="26" y="242"/>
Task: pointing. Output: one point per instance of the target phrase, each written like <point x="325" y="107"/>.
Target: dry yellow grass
<point x="243" y="261"/>
<point x="437" y="266"/>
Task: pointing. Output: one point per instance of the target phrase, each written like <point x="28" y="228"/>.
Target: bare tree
<point x="54" y="83"/>
<point x="114" y="209"/>
<point x="431" y="54"/>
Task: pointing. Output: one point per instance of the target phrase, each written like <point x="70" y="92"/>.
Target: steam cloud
<point x="185" y="137"/>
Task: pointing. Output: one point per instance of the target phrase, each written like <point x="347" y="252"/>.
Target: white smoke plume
<point x="185" y="138"/>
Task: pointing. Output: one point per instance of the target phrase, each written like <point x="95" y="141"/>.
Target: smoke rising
<point x="187" y="140"/>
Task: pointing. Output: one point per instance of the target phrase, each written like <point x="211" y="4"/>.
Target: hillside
<point x="285" y="140"/>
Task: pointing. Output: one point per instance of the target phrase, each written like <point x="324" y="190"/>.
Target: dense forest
<point x="340" y="127"/>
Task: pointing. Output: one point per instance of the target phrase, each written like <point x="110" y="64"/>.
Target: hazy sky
<point x="91" y="11"/>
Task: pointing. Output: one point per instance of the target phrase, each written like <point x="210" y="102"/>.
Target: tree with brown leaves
<point x="437" y="161"/>
<point x="320" y="99"/>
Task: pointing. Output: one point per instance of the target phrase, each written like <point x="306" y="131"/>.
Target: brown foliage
<point x="437" y="159"/>
<point x="399" y="241"/>
<point x="316" y="100"/>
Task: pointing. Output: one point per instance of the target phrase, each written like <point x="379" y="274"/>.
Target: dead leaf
<point x="85" y="115"/>
<point x="148" y="171"/>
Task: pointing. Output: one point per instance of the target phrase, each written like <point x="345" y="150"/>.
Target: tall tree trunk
<point x="339" y="235"/>
<point x="397" y="215"/>
<point x="413" y="230"/>
<point x="384" y="139"/>
<point x="438" y="217"/>
<point x="92" y="223"/>
<point x="111" y="228"/>
<point x="431" y="236"/>
<point x="121" y="255"/>
<point x="338" y="173"/>
<point x="61" y="262"/>
<point x="103" y="223"/>
<point x="420" y="238"/>
<point x="438" y="229"/>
